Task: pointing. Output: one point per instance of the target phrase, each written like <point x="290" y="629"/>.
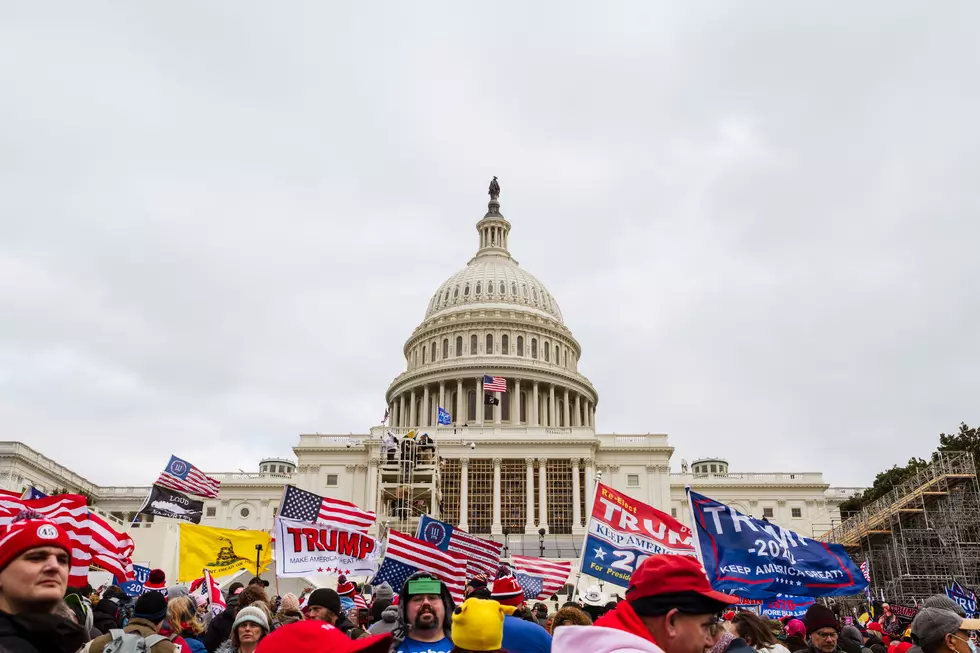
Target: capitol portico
<point x="518" y="465"/>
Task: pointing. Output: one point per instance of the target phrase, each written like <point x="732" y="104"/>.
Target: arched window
<point x="513" y="288"/>
<point x="471" y="406"/>
<point x="547" y="354"/>
<point x="524" y="402"/>
<point x="432" y="350"/>
<point x="489" y="287"/>
<point x="459" y="345"/>
<point x="445" y="348"/>
<point x="502" y="288"/>
<point x="534" y="294"/>
<point x="423" y="355"/>
<point x="557" y="357"/>
<point x="489" y="344"/>
<point x="479" y="287"/>
<point x="520" y="345"/>
<point x="456" y="292"/>
<point x="505" y="408"/>
<point x="473" y="345"/>
<point x="466" y="290"/>
<point x="534" y="347"/>
<point x="505" y="345"/>
<point x="524" y="290"/>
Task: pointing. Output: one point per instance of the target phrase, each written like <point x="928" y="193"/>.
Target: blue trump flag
<point x="135" y="587"/>
<point x="444" y="417"/>
<point x="786" y="606"/>
<point x="754" y="559"/>
<point x="964" y="597"/>
<point x="435" y="532"/>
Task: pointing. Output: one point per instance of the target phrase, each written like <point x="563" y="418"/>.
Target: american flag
<point x="406" y="555"/>
<point x="482" y="556"/>
<point x="359" y="602"/>
<point x="545" y="576"/>
<point x="210" y="591"/>
<point x="305" y="506"/>
<point x="94" y="542"/>
<point x="494" y="384"/>
<point x="182" y="476"/>
<point x="866" y="571"/>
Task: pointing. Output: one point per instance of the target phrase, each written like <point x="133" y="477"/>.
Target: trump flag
<point x="756" y="559"/>
<point x="623" y="532"/>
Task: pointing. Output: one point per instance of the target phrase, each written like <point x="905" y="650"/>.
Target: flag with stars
<point x="305" y="506"/>
<point x="406" y="555"/>
<point x="756" y="559"/>
<point x="866" y="571"/>
<point x="539" y="577"/>
<point x="445" y="418"/>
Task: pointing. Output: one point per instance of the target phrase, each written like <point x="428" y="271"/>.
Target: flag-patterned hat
<point x="31" y="533"/>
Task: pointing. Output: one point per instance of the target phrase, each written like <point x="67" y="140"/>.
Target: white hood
<point x="596" y="639"/>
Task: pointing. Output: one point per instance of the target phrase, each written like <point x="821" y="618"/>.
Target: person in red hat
<point x="35" y="558"/>
<point x="669" y="608"/>
<point x="157" y="581"/>
<point x="320" y="637"/>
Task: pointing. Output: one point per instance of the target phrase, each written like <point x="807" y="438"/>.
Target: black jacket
<point x="107" y="615"/>
<point x="39" y="633"/>
<point x="875" y="644"/>
<point x="738" y="645"/>
<point x="219" y="630"/>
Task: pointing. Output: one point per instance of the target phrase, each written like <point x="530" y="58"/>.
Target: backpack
<point x="123" y="642"/>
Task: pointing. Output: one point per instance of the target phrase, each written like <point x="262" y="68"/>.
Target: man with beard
<point x="426" y="608"/>
<point x="35" y="556"/>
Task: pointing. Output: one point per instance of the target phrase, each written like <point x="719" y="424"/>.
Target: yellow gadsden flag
<point x="221" y="551"/>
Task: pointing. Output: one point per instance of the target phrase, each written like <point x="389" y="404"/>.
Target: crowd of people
<point x="669" y="607"/>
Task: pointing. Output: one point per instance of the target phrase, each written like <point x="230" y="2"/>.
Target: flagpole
<point x="694" y="525"/>
<point x="585" y="537"/>
<point x="145" y="502"/>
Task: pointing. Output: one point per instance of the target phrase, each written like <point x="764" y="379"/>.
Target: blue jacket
<point x="525" y="636"/>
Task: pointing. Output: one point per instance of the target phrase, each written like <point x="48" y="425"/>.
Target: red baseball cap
<point x="671" y="574"/>
<point x="320" y="637"/>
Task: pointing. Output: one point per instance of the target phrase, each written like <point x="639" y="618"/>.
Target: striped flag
<point x="94" y="541"/>
<point x="482" y="556"/>
<point x="359" y="602"/>
<point x="182" y="476"/>
<point x="866" y="571"/>
<point x="551" y="574"/>
<point x="494" y="384"/>
<point x="305" y="506"/>
<point x="406" y="555"/>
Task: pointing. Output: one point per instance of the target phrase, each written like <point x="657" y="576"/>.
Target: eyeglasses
<point x="826" y="635"/>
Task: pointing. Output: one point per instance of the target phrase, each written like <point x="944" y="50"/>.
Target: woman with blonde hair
<point x="183" y="621"/>
<point x="756" y="633"/>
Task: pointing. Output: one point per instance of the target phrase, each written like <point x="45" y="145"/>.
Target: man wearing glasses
<point x="822" y="628"/>
<point x="935" y="630"/>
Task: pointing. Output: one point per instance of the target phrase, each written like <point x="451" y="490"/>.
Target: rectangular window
<point x="331" y="480"/>
<point x="797" y="513"/>
<point x="212" y="511"/>
<point x="632" y="480"/>
<point x="767" y="512"/>
<point x="673" y="513"/>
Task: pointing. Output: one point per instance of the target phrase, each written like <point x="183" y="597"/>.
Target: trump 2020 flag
<point x="756" y="559"/>
<point x="444" y="417"/>
<point x="786" y="606"/>
<point x="482" y="556"/>
<point x="623" y="532"/>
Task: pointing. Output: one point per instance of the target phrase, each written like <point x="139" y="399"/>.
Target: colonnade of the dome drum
<point x="527" y="402"/>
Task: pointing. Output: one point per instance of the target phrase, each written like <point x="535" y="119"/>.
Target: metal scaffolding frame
<point x="921" y="535"/>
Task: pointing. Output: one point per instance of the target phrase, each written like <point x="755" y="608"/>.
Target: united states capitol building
<point x="518" y="466"/>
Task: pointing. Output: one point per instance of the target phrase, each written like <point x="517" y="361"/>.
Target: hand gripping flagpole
<point x="694" y="525"/>
<point x="585" y="538"/>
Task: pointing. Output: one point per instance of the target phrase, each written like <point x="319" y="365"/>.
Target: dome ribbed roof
<point x="493" y="282"/>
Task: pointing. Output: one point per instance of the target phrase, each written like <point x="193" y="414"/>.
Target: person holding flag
<point x="669" y="608"/>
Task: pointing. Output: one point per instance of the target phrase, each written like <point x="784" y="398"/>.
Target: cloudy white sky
<point x="220" y="221"/>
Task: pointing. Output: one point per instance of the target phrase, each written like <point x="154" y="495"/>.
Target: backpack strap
<point x="153" y="640"/>
<point x="116" y="633"/>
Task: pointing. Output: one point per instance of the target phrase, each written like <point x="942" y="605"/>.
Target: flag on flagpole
<point x="540" y="577"/>
<point x="445" y="418"/>
<point x="866" y="571"/>
<point x="182" y="476"/>
<point x="34" y="493"/>
<point x="384" y="420"/>
<point x="222" y="551"/>
<point x="406" y="555"/>
<point x="494" y="383"/>
<point x="305" y="506"/>
<point x="482" y="556"/>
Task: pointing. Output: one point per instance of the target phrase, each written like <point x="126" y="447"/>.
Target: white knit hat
<point x="251" y="614"/>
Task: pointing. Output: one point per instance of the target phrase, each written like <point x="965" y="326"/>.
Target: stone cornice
<point x="507" y="366"/>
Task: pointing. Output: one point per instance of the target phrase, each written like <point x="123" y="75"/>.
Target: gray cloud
<point x="219" y="224"/>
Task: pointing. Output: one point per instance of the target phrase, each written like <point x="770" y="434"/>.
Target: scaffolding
<point x="921" y="535"/>
<point x="408" y="480"/>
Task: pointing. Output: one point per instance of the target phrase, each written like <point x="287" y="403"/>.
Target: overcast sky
<point x="219" y="222"/>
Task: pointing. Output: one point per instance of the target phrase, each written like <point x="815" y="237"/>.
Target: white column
<point x="543" y="493"/>
<point x="515" y="407"/>
<point x="578" y="409"/>
<point x="591" y="414"/>
<point x="496" y="528"/>
<point x="401" y="410"/>
<point x="479" y="401"/>
<point x="464" y="492"/>
<point x="552" y="416"/>
<point x="442" y="396"/>
<point x="426" y="408"/>
<point x="566" y="413"/>
<point x="372" y="485"/>
<point x="460" y="416"/>
<point x="576" y="497"/>
<point x="529" y="494"/>
<point x="412" y="421"/>
<point x="535" y="421"/>
<point x="498" y="408"/>
<point x="589" y="488"/>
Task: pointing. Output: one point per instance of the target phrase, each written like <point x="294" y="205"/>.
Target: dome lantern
<point x="493" y="228"/>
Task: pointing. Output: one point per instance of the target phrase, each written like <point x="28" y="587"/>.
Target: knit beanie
<point x="251" y="614"/>
<point x="151" y="606"/>
<point x="478" y="625"/>
<point x="157" y="581"/>
<point x="383" y="592"/>
<point x="30" y="533"/>
<point x="177" y="591"/>
<point x="289" y="603"/>
<point x="945" y="603"/>
<point x="507" y="591"/>
<point x="345" y="587"/>
<point x="820" y="616"/>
